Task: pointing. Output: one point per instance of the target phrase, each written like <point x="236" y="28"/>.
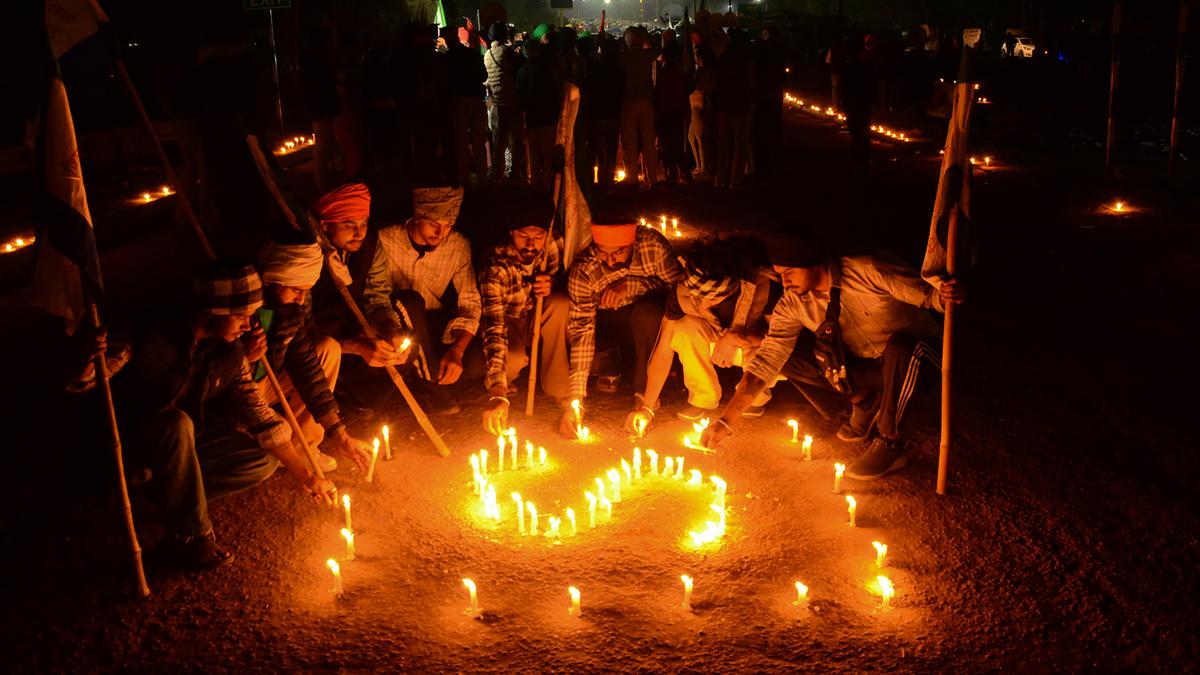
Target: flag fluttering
<point x="70" y="22"/>
<point x="954" y="190"/>
<point x="577" y="218"/>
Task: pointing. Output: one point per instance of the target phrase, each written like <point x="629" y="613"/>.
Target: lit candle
<point x="165" y="190"/>
<point x="669" y="466"/>
<point x="349" y="537"/>
<point x="483" y="462"/>
<point x="528" y="455"/>
<point x="600" y="488"/>
<point x="720" y="510"/>
<point x="838" y="470"/>
<point x="653" y="461"/>
<point x="880" y="553"/>
<point x="492" y="507"/>
<point x="807" y="448"/>
<point x="387" y="443"/>
<point x="801" y="596"/>
<point x="346" y="508"/>
<point x="500" y="444"/>
<point x="687" y="591"/>
<point x="146" y="197"/>
<point x="1119" y="207"/>
<point x="795" y="425"/>
<point x="533" y="518"/>
<point x="675" y="223"/>
<point x="541" y="456"/>
<point x="571" y="520"/>
<point x="596" y="173"/>
<point x="575" y="610"/>
<point x="639" y="425"/>
<point x="851" y="505"/>
<point x="473" y="610"/>
<point x="591" y="509"/>
<point x="584" y="434"/>
<point x="678" y="468"/>
<point x="578" y="412"/>
<point x="721" y="486"/>
<point x="604" y="501"/>
<point x="336" y="569"/>
<point x="628" y="471"/>
<point x="614" y="479"/>
<point x="516" y="496"/>
<point x="554" y="524"/>
<point x="374" y="458"/>
<point x="697" y="478"/>
<point x="478" y="477"/>
<point x="886" y="591"/>
<point x="512" y="455"/>
<point x="637" y="463"/>
<point x="620" y="175"/>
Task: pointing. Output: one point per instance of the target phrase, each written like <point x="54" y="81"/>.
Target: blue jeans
<point x="189" y="469"/>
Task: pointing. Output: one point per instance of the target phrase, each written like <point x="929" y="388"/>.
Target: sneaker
<point x="881" y="458"/>
<point x="327" y="463"/>
<point x="435" y="398"/>
<point x="692" y="413"/>
<point x="754" y="412"/>
<point x="196" y="553"/>
<point x="608" y="384"/>
<point x="862" y="421"/>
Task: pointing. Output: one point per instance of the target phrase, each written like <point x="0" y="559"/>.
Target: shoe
<point x="608" y="384"/>
<point x="862" y="421"/>
<point x="435" y="398"/>
<point x="881" y="458"/>
<point x="196" y="553"/>
<point x="754" y="412"/>
<point x="328" y="464"/>
<point x="691" y="413"/>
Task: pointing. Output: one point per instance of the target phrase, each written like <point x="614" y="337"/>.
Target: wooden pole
<point x="172" y="179"/>
<point x="1111" y="138"/>
<point x="537" y="312"/>
<point x="102" y="376"/>
<point x="260" y="161"/>
<point x="947" y="357"/>
<point x="290" y="416"/>
<point x="1180" y="60"/>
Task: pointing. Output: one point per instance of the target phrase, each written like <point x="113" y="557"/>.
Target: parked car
<point x="1023" y="47"/>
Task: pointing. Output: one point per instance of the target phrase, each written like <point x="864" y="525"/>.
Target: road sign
<point x="251" y="5"/>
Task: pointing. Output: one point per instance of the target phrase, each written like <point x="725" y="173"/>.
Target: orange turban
<point x="614" y="235"/>
<point x="351" y="201"/>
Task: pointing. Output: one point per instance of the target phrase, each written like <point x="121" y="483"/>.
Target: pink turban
<point x="351" y="201"/>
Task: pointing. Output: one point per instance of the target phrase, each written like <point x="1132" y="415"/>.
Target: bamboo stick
<point x="947" y="358"/>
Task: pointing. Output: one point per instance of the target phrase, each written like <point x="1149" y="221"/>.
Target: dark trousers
<point x="671" y="136"/>
<point x="633" y="329"/>
<point x="189" y="468"/>
<point x="859" y="125"/>
<point x="886" y="376"/>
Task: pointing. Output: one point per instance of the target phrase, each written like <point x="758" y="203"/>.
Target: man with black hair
<point x="847" y="330"/>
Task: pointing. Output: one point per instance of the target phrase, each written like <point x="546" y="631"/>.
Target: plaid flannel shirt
<point x="652" y="267"/>
<point x="433" y="273"/>
<point x="506" y="285"/>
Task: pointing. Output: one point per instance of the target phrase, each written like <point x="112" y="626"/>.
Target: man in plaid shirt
<point x="509" y="283"/>
<point x="618" y="287"/>
<point x="425" y="259"/>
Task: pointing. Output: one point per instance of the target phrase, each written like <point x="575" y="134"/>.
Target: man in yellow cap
<point x="617" y="287"/>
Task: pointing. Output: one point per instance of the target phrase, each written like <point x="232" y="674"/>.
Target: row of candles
<point x="347" y="531"/>
<point x="295" y="144"/>
<point x="835" y="114"/>
<point x="662" y="226"/>
<point x="607" y="492"/>
<point x="17" y="243"/>
<point x="148" y="197"/>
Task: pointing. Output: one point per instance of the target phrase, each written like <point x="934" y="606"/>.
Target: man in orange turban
<point x="617" y="287"/>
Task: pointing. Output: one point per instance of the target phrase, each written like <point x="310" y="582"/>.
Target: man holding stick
<point x="847" y="330"/>
<point x="509" y="282"/>
<point x="204" y="429"/>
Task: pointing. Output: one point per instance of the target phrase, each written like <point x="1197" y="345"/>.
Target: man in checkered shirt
<point x="509" y="282"/>
<point x="618" y="286"/>
<point x="426" y="259"/>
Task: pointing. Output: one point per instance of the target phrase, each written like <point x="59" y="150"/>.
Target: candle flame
<point x="386" y="434"/>
<point x="881" y="550"/>
<point x="801" y="593"/>
<point x="1119" y="207"/>
<point x="470" y="586"/>
<point x="795" y="425"/>
<point x="146" y="197"/>
<point x="405" y="344"/>
<point x="346" y="502"/>
<point x="839" y="469"/>
<point x="886" y="590"/>
<point x="334" y="566"/>
<point x="348" y="536"/>
<point x="687" y="581"/>
<point x="697" y="478"/>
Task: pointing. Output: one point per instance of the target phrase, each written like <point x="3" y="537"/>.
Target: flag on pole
<point x="66" y="267"/>
<point x="439" y="16"/>
<point x="954" y="190"/>
<point x="577" y="218"/>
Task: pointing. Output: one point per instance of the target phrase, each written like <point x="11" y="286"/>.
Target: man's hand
<point x="613" y="296"/>
<point x="716" y="432"/>
<point x="541" y="285"/>
<point x="953" y="292"/>
<point x="725" y="351"/>
<point x="255" y="345"/>
<point x="351" y="448"/>
<point x="495" y="415"/>
<point x="568" y="425"/>
<point x="637" y="422"/>
<point x="322" y="490"/>
<point x="376" y="353"/>
<point x="450" y="368"/>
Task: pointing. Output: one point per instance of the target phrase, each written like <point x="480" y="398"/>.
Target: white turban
<point x="295" y="265"/>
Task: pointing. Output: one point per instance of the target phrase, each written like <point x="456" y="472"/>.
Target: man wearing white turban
<point x="307" y="364"/>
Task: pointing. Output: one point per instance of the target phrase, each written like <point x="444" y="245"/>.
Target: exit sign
<point x="250" y="5"/>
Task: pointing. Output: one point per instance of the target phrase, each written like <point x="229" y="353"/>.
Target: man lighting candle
<point x="847" y="331"/>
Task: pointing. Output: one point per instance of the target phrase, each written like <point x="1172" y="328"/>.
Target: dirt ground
<point x="1068" y="540"/>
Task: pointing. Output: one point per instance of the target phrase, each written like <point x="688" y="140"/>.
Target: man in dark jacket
<point x="539" y="91"/>
<point x="467" y="114"/>
<point x="504" y="115"/>
<point x="200" y="423"/>
<point x="307" y="365"/>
